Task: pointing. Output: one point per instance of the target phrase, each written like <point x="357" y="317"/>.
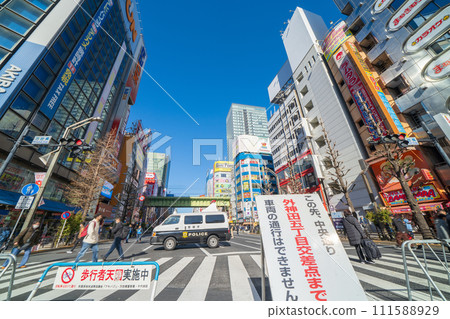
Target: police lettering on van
<point x="205" y="228"/>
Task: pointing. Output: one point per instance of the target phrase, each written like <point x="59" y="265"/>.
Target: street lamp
<point x="49" y="172"/>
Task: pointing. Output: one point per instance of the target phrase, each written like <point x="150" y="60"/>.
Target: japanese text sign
<point x="305" y="258"/>
<point x="104" y="277"/>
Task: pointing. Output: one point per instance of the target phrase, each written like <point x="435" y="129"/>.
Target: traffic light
<point x="76" y="148"/>
<point x="69" y="142"/>
<point x="399" y="139"/>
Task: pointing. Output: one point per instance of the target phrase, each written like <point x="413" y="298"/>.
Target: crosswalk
<point x="230" y="277"/>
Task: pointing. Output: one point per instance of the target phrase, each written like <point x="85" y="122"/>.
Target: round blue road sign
<point x="30" y="189"/>
<point x="65" y="215"/>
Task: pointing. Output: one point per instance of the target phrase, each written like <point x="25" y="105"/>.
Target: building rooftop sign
<point x="305" y="258"/>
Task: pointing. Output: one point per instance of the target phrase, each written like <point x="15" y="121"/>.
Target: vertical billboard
<point x="359" y="93"/>
<point x="371" y="83"/>
<point x="137" y="69"/>
<point x="130" y="15"/>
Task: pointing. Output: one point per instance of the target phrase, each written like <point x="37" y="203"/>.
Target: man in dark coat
<point x="25" y="241"/>
<point x="117" y="232"/>
<point x="355" y="235"/>
<point x="402" y="231"/>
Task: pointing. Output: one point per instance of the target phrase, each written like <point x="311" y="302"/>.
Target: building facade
<point x="252" y="177"/>
<point x="305" y="94"/>
<point x="222" y="181"/>
<point x="390" y="55"/>
<point x="245" y="120"/>
<point x="62" y="62"/>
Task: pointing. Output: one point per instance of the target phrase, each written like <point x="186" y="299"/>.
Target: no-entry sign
<point x="142" y="198"/>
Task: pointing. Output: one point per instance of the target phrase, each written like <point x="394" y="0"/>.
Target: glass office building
<point x="61" y="62"/>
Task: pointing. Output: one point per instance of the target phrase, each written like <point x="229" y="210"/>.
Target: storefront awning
<point x="423" y="207"/>
<point x="11" y="199"/>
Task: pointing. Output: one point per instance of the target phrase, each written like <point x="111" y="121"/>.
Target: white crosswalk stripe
<point x="383" y="280"/>
<point x="197" y="288"/>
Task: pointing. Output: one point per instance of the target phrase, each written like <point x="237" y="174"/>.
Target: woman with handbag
<point x="25" y="241"/>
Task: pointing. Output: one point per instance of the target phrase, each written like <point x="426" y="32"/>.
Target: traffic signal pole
<point x="49" y="172"/>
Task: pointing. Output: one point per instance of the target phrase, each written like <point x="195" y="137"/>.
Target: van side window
<point x="188" y="220"/>
<point x="172" y="220"/>
<point x="210" y="219"/>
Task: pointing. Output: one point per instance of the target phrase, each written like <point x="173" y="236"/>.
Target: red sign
<point x="67" y="275"/>
<point x="142" y="198"/>
<point x="104" y="209"/>
<point x="423" y="193"/>
<point x="65" y="215"/>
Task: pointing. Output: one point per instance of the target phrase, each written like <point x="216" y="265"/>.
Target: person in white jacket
<point x="91" y="239"/>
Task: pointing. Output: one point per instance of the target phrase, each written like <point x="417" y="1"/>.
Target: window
<point x="398" y="87"/>
<point x="11" y="124"/>
<point x="211" y="219"/>
<point x="356" y="26"/>
<point x="300" y="77"/>
<point x="53" y="61"/>
<point x="23" y="105"/>
<point x="172" y="220"/>
<point x="348" y="9"/>
<point x="8" y="39"/>
<point x="34" y="89"/>
<point x="321" y="141"/>
<point x="382" y="62"/>
<point x="396" y="4"/>
<point x="304" y="91"/>
<point x="309" y="106"/>
<point x="441" y="44"/>
<point x="196" y="219"/>
<point x="44" y="74"/>
<point x="41" y="4"/>
<point x="25" y="9"/>
<point x="368" y="43"/>
<point x="14" y="22"/>
<point x="40" y="121"/>
<point x="360" y="123"/>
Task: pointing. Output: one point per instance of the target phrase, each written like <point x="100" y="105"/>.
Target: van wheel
<point x="213" y="241"/>
<point x="170" y="243"/>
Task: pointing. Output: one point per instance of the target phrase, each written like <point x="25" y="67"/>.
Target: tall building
<point x="159" y="163"/>
<point x="393" y="62"/>
<point x="245" y="120"/>
<point x="252" y="163"/>
<point x="209" y="191"/>
<point x="306" y="94"/>
<point x="222" y="182"/>
<point x="62" y="62"/>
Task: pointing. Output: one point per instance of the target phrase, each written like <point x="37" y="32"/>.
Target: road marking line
<point x="236" y="253"/>
<point x="166" y="277"/>
<point x="241" y="287"/>
<point x="197" y="287"/>
<point x="145" y="249"/>
<point x="204" y="250"/>
<point x="233" y="243"/>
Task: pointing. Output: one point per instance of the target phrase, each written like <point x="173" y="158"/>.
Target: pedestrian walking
<point x="401" y="229"/>
<point x="139" y="232"/>
<point x="237" y="230"/>
<point x="91" y="239"/>
<point x="5" y="232"/>
<point x="25" y="241"/>
<point x="130" y="231"/>
<point x="409" y="227"/>
<point x="118" y="236"/>
<point x="355" y="235"/>
<point x="442" y="229"/>
<point x="80" y="237"/>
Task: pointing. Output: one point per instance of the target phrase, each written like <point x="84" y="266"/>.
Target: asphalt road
<point x="230" y="272"/>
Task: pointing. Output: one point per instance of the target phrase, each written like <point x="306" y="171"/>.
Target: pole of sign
<point x="51" y="166"/>
<point x="12" y="233"/>
<point x="263" y="273"/>
<point x="62" y="230"/>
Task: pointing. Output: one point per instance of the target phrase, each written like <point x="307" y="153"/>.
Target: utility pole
<point x="49" y="172"/>
<point x="14" y="149"/>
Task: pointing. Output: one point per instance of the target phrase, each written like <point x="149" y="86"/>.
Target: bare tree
<point x="398" y="168"/>
<point x="341" y="184"/>
<point x="85" y="190"/>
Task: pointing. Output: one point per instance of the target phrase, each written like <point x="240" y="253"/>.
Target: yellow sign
<point x="185" y="234"/>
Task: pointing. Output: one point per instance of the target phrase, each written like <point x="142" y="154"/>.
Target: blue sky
<point x="207" y="55"/>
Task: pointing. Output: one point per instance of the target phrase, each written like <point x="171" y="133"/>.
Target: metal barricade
<point x="424" y="267"/>
<point x="75" y="265"/>
<point x="12" y="261"/>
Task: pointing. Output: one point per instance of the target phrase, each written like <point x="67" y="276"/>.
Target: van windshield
<point x="172" y="220"/>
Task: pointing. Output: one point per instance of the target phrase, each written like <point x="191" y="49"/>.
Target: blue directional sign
<point x="30" y="189"/>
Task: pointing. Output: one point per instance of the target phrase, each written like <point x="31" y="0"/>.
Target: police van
<point x="206" y="227"/>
